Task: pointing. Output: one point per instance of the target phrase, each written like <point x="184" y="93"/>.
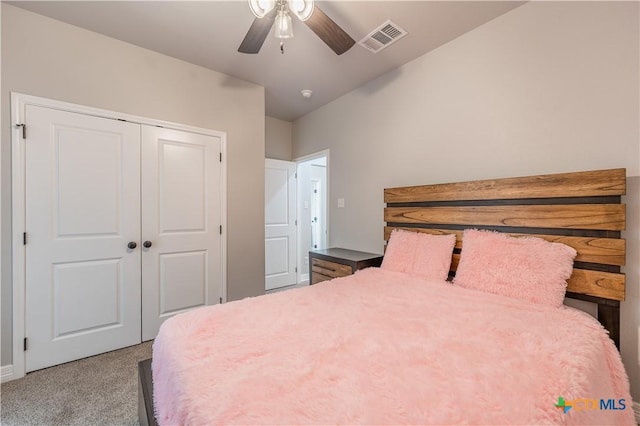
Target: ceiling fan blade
<point x="257" y="33"/>
<point x="329" y="32"/>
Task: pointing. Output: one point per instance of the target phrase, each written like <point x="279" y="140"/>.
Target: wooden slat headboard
<point x="582" y="210"/>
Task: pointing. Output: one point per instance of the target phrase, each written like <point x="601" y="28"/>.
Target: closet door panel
<point x="82" y="204"/>
<point x="181" y="216"/>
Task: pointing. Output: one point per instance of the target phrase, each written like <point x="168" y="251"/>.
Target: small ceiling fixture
<point x="284" y="27"/>
<point x="306" y="93"/>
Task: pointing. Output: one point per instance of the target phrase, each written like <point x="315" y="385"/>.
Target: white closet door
<point x="82" y="209"/>
<point x="280" y="223"/>
<point x="181" y="270"/>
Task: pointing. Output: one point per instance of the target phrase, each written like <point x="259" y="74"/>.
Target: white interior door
<point x="280" y="223"/>
<point x="181" y="219"/>
<point x="82" y="209"/>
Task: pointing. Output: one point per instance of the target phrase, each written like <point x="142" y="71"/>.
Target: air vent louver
<point x="382" y="37"/>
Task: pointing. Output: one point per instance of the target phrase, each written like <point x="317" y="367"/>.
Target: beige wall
<point x="548" y="87"/>
<point x="278" y="139"/>
<point x="47" y="58"/>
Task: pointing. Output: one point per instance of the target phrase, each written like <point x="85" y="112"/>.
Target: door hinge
<point x="296" y="269"/>
<point x="24" y="346"/>
<point x="220" y="229"/>
<point x="24" y="130"/>
<point x="221" y="300"/>
<point x="296" y="222"/>
<point x="296" y="175"/>
<point x="24" y="238"/>
<point x="221" y="157"/>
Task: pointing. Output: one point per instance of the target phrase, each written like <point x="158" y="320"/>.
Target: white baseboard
<point x="636" y="411"/>
<point x="304" y="278"/>
<point x="6" y="373"/>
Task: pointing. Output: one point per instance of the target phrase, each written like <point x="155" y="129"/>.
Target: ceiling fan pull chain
<point x="282" y="47"/>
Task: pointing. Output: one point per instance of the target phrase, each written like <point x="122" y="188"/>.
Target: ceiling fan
<point x="268" y="12"/>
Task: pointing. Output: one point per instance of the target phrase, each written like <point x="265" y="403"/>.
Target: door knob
<point x="147" y="244"/>
<point x="132" y="245"/>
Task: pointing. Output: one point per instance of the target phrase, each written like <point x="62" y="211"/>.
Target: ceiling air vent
<point x="383" y="36"/>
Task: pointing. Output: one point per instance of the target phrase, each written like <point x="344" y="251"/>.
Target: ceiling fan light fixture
<point x="261" y="7"/>
<point x="284" y="26"/>
<point x="303" y="9"/>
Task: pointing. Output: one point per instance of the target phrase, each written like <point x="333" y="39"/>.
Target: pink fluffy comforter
<point x="385" y="348"/>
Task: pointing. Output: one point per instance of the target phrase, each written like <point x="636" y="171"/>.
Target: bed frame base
<point x="145" y="394"/>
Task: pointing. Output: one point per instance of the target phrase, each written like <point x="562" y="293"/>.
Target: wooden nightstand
<point x="338" y="262"/>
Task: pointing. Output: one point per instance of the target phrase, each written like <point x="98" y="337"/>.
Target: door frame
<point x="304" y="269"/>
<point x="19" y="103"/>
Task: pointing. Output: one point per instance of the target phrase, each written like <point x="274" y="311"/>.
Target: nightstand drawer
<point x="318" y="278"/>
<point x="330" y="269"/>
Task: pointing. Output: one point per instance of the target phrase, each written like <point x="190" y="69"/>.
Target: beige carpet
<point x="101" y="390"/>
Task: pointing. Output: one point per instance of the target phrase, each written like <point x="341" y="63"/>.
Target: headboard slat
<point x="609" y="217"/>
<point x="607" y="285"/>
<point x="580" y="184"/>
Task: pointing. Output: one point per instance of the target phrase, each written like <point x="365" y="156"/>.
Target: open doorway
<point x="313" y="214"/>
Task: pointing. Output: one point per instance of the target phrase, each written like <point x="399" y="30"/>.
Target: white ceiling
<point x="208" y="33"/>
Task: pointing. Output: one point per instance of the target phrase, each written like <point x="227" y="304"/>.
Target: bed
<point x="392" y="345"/>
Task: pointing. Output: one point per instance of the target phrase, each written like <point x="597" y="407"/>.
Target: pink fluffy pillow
<point x="527" y="268"/>
<point x="415" y="253"/>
